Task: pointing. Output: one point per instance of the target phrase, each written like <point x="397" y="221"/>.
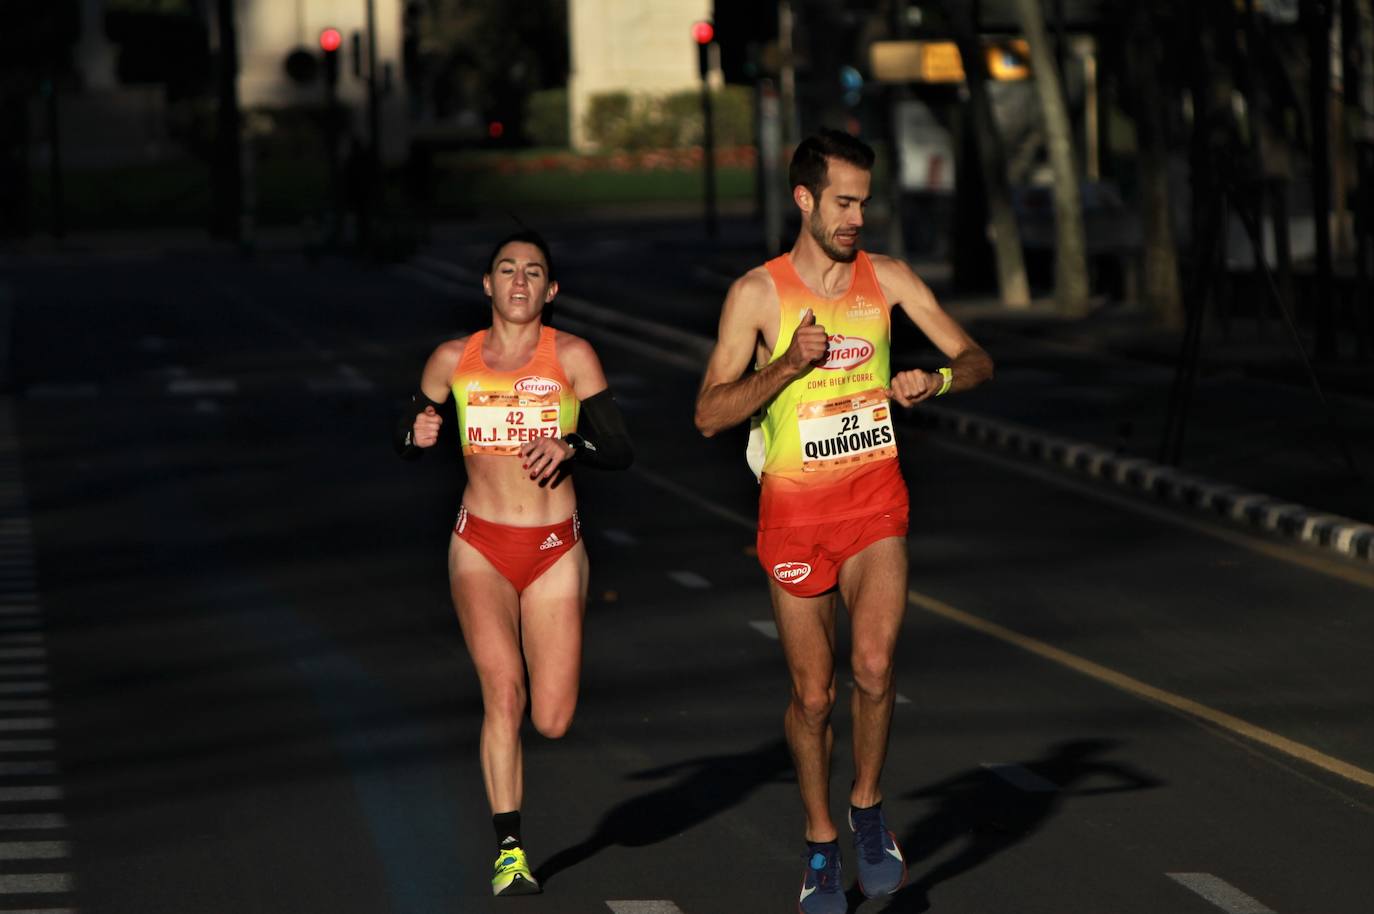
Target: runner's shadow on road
<point x="704" y="788"/>
<point x="980" y="813"/>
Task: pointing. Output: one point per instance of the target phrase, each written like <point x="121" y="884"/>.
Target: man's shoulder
<point x="887" y="266"/>
<point x="754" y="287"/>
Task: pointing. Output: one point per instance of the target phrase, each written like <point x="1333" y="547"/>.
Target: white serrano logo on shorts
<point x="791" y="572"/>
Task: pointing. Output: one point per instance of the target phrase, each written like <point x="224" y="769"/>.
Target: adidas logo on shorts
<point x="553" y="542"/>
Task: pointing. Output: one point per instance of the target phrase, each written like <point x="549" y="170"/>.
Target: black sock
<point x="507" y="825"/>
<point x="814" y="846"/>
<point x="877" y="805"/>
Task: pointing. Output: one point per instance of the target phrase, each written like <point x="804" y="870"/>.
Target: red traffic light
<point x="330" y="39"/>
<point x="703" y="32"/>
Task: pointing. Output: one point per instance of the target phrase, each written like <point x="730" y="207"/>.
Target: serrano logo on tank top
<point x="791" y="572"/>
<point x="847" y="352"/>
<point x="533" y="384"/>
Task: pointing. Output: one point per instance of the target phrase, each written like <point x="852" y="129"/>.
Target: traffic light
<point x="330" y="40"/>
<point x="703" y="32"/>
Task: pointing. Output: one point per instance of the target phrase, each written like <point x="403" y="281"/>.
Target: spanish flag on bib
<point x="829" y="448"/>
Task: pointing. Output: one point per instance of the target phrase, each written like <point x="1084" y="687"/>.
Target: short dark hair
<point x="527" y="236"/>
<point x="810" y="161"/>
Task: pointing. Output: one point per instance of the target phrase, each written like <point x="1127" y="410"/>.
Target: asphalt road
<point x="230" y="679"/>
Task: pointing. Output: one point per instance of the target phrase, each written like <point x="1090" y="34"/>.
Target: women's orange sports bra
<point x="500" y="410"/>
<point x="829" y="446"/>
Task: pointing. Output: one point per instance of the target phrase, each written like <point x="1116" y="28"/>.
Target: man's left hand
<point x="911" y="387"/>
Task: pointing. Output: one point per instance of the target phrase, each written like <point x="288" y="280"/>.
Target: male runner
<point x="833" y="504"/>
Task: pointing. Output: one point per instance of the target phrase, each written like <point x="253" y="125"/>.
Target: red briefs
<point x="520" y="554"/>
<point x="806" y="532"/>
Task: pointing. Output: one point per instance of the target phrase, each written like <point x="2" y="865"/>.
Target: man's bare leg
<point x="873" y="583"/>
<point x="806" y="628"/>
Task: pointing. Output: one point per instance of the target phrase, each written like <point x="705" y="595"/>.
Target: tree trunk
<point x="1070" y="260"/>
<point x="1162" y="293"/>
<point x="1013" y="287"/>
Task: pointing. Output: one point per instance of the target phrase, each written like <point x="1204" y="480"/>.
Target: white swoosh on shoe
<point x="807" y="893"/>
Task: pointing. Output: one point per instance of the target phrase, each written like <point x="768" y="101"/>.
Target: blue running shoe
<point x="820" y="891"/>
<point x="881" y="867"/>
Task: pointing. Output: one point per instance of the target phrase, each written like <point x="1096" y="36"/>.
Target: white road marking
<point x="643" y="907"/>
<point x="35" y="883"/>
<point x="1220" y="893"/>
<point x="26" y="723"/>
<point x="1021" y="778"/>
<point x="34" y="850"/>
<point x="690" y="580"/>
<point x="39" y="744"/>
<point x="620" y="537"/>
<point x="766" y="627"/>
<point x="30" y="794"/>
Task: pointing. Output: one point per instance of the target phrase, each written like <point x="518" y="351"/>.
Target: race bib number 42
<point x="498" y="423"/>
<point x="846" y="431"/>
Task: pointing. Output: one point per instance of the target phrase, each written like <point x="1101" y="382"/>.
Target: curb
<point x="1349" y="538"/>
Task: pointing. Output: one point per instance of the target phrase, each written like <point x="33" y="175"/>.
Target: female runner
<point x="517" y="566"/>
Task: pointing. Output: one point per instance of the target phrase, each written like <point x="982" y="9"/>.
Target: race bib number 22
<point x="846" y="431"/>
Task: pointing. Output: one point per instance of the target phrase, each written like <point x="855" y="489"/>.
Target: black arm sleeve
<point x="405" y="424"/>
<point x="606" y="441"/>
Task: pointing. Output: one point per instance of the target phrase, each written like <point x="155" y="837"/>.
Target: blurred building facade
<point x="640" y="47"/>
<point x="112" y="123"/>
<point x="269" y="30"/>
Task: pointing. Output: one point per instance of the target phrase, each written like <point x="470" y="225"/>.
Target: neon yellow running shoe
<point x="512" y="874"/>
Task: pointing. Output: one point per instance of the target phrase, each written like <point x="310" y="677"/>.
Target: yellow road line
<point x="1144" y="690"/>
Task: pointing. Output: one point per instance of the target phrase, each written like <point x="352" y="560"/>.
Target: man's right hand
<point x="808" y="346"/>
<point x="425" y="431"/>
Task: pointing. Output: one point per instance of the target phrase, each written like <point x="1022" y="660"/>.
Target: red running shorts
<point x="520" y="554"/>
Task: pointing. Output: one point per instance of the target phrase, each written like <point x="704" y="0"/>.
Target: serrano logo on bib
<point x="533" y="384"/>
<point x="791" y="572"/>
<point x="847" y="352"/>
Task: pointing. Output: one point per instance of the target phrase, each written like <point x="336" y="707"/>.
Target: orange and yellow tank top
<point x="830" y="451"/>
<point x="500" y="410"/>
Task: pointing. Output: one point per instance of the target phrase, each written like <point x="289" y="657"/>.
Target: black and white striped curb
<point x="1342" y="535"/>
